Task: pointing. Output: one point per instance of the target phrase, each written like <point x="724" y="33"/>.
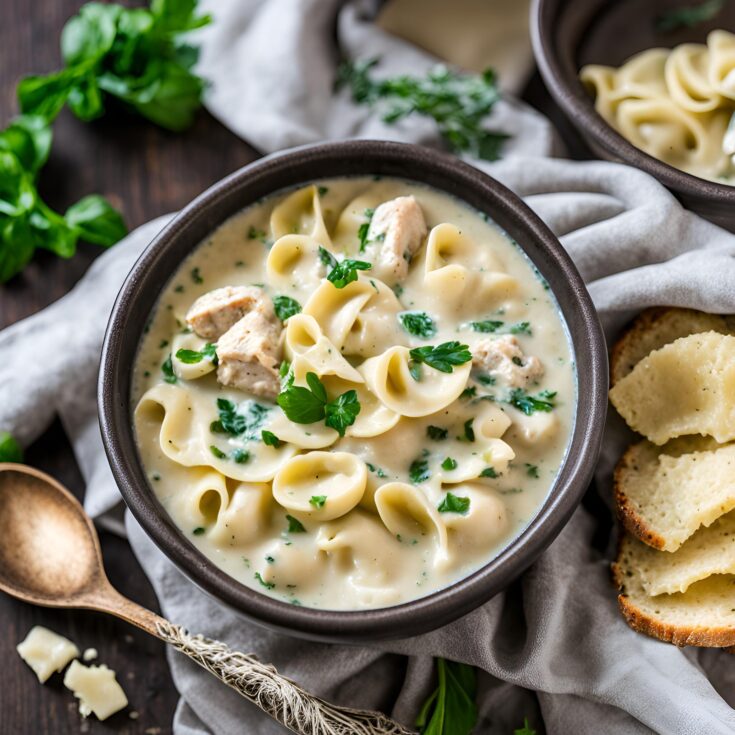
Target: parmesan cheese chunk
<point x="684" y="388"/>
<point x="45" y="651"/>
<point x="96" y="688"/>
<point x="663" y="497"/>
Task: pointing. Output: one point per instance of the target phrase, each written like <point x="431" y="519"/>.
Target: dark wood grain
<point x="146" y="172"/>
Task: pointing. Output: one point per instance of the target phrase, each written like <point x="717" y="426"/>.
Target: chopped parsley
<point x="318" y="501"/>
<point x="322" y="190"/>
<point x="525" y="730"/>
<point x="377" y="470"/>
<point x="436" y="433"/>
<point x="469" y="432"/>
<point x="531" y="470"/>
<point x="485" y="379"/>
<point x="364" y="228"/>
<point x="443" y="357"/>
<point x="294" y="525"/>
<point x="196" y="276"/>
<point x="454" y="504"/>
<point x="521" y="400"/>
<point x="521" y="328"/>
<point x="489" y="472"/>
<point x="270" y="439"/>
<point x="285" y="307"/>
<point x="487" y="326"/>
<point x="419" y="472"/>
<point x="342" y="272"/>
<point x="191" y="357"/>
<point x="10" y="450"/>
<point x="255" y="234"/>
<point x="168" y="371"/>
<point x="417" y="323"/>
<point x="217" y="452"/>
<point x="306" y="405"/>
<point x="239" y="456"/>
<point x="163" y="343"/>
<point x="449" y="464"/>
<point x="267" y="585"/>
<point x="243" y="420"/>
<point x="469" y="392"/>
<point x="198" y="531"/>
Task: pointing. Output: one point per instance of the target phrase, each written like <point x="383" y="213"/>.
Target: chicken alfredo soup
<point x="354" y="394"/>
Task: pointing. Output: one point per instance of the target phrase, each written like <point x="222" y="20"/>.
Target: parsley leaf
<point x="487" y="326"/>
<point x="449" y="464"/>
<point x="301" y="405"/>
<point x="489" y="472"/>
<point x="10" y="450"/>
<point x="458" y="103"/>
<point x="521" y="400"/>
<point x="270" y="439"/>
<point x="419" y="472"/>
<point x="243" y="420"/>
<point x="191" y="357"/>
<point x="318" y="501"/>
<point x="450" y="709"/>
<point x="294" y="525"/>
<point x="453" y="504"/>
<point x="285" y="307"/>
<point x="167" y="369"/>
<point x="364" y="228"/>
<point x="688" y="16"/>
<point x="379" y="471"/>
<point x="469" y="432"/>
<point x="443" y="357"/>
<point x="342" y="411"/>
<point x="267" y="585"/>
<point x="436" y="433"/>
<point x="521" y="328"/>
<point x="342" y="272"/>
<point x="418" y="323"/>
<point x="133" y="54"/>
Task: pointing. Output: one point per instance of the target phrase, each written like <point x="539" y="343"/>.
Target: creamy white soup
<point x="354" y="393"/>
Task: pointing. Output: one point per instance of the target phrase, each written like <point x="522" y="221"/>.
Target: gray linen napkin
<point x="556" y="632"/>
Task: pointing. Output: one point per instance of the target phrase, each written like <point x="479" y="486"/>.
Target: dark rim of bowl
<point x="163" y="256"/>
<point x="570" y="94"/>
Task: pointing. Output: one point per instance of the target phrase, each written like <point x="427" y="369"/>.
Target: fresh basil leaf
<point x="28" y="138"/>
<point x="450" y="709"/>
<point x="177" y="16"/>
<point x="51" y="232"/>
<point x="191" y="357"/>
<point x="316" y="386"/>
<point x="525" y="730"/>
<point x="85" y="99"/>
<point x="417" y="323"/>
<point x="451" y="503"/>
<point x="96" y="221"/>
<point x="16" y="246"/>
<point x="17" y="193"/>
<point x="10" y="450"/>
<point x="342" y="412"/>
<point x="443" y="357"/>
<point x="88" y="36"/>
<point x="285" y="307"/>
<point x="46" y="95"/>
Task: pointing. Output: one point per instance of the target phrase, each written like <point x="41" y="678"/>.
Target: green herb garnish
<point x="255" y="234"/>
<point x="485" y="379"/>
<point x="239" y="456"/>
<point x="294" y="525"/>
<point x="458" y="103"/>
<point x="419" y="472"/>
<point x="521" y="400"/>
<point x="322" y="190"/>
<point x="469" y="392"/>
<point x="318" y="501"/>
<point x="418" y="323"/>
<point x="443" y="357"/>
<point x="306" y="405"/>
<point x="270" y="439"/>
<point x="688" y="16"/>
<point x="342" y="272"/>
<point x="191" y="357"/>
<point x="489" y="472"/>
<point x="167" y="369"/>
<point x="135" y="55"/>
<point x="285" y="307"/>
<point x="10" y="450"/>
<point x="525" y="730"/>
<point x="243" y="420"/>
<point x="521" y="328"/>
<point x="532" y="470"/>
<point x="487" y="326"/>
<point x="377" y="470"/>
<point x="436" y="433"/>
<point x="450" y="709"/>
<point x="217" y="452"/>
<point x="453" y="504"/>
<point x="469" y="432"/>
<point x="198" y="531"/>
<point x="196" y="276"/>
<point x="267" y="585"/>
<point x="449" y="464"/>
<point x="363" y="229"/>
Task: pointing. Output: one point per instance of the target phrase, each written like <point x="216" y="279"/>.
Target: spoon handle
<point x="279" y="697"/>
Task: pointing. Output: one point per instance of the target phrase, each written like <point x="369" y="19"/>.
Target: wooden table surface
<point x="146" y="172"/>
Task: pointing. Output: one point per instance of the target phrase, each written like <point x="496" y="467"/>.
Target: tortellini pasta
<point x="676" y="105"/>
<point x="387" y="458"/>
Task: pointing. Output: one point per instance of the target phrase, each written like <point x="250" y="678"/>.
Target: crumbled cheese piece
<point x="96" y="688"/>
<point x="89" y="654"/>
<point x="45" y="651"/>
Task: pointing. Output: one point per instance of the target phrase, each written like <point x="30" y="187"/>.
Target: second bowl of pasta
<point x="353" y="390"/>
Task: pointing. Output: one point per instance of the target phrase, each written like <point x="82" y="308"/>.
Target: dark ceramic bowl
<point x="163" y="256"/>
<point x="567" y="34"/>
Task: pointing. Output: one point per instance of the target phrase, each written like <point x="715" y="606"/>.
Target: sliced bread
<point x="664" y="494"/>
<point x="654" y="328"/>
<point x="685" y="387"/>
<point x="704" y="615"/>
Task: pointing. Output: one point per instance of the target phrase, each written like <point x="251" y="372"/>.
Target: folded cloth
<point x="553" y="645"/>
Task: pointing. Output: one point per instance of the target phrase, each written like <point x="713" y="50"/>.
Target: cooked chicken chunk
<point x="211" y="315"/>
<point x="398" y="229"/>
<point x="503" y="358"/>
<point x="249" y="352"/>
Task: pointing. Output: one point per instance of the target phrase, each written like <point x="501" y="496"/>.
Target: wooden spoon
<point x="50" y="555"/>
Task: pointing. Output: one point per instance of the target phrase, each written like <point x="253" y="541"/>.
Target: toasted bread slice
<point x="664" y="494"/>
<point x="704" y="615"/>
<point x="653" y="329"/>
<point x="686" y="387"/>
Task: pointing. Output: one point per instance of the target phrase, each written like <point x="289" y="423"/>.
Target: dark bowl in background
<point x="567" y="34"/>
<point x="160" y="261"/>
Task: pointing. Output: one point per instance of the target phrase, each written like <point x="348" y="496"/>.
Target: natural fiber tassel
<point x="276" y="695"/>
